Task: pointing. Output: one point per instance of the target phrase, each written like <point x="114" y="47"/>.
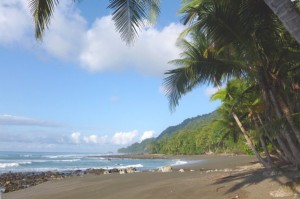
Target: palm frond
<point x="153" y="10"/>
<point x="42" y="11"/>
<point x="129" y="16"/>
<point x="220" y="95"/>
<point x="199" y="65"/>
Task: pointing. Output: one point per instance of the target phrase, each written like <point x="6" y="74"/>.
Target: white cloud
<point x="64" y="38"/>
<point x="151" y="53"/>
<point x="25" y="121"/>
<point x="75" y="137"/>
<point x="147" y="134"/>
<point x="95" y="139"/>
<point x="96" y="49"/>
<point x="15" y="21"/>
<point x="210" y="91"/>
<point x="124" y="138"/>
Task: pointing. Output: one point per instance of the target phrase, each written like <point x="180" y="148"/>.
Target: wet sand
<point x="215" y="176"/>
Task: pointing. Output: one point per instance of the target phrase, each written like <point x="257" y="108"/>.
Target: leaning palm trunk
<point x="286" y="113"/>
<point x="288" y="15"/>
<point x="286" y="133"/>
<point x="294" y="148"/>
<point x="244" y="132"/>
<point x="282" y="150"/>
<point x="262" y="141"/>
<point x="286" y="150"/>
<point x="249" y="142"/>
<point x="289" y="129"/>
<point x="264" y="146"/>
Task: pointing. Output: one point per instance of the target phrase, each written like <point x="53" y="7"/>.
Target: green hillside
<point x="195" y="135"/>
<point x="148" y="145"/>
<point x="190" y="123"/>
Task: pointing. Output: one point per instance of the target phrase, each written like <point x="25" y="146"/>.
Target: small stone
<point x="131" y="170"/>
<point x="105" y="172"/>
<point x="123" y="171"/>
<point x="166" y="169"/>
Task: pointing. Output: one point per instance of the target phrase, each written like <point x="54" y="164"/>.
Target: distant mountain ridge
<point x="189" y="123"/>
<point x="194" y="124"/>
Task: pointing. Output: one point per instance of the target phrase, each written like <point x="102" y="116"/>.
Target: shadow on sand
<point x="288" y="178"/>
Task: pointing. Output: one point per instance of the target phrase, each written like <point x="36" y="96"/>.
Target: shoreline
<point x="208" y="176"/>
<point x="14" y="181"/>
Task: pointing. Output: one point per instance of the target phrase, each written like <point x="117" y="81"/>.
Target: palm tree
<point x="288" y="15"/>
<point x="233" y="106"/>
<point x="256" y="47"/>
<point x="201" y="63"/>
<point x="128" y="15"/>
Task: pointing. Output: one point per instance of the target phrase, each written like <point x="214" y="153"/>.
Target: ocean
<point x="64" y="162"/>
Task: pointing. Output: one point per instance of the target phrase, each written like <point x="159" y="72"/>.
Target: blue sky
<point x="82" y="88"/>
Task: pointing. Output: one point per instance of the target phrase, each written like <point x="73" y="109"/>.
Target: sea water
<point x="63" y="162"/>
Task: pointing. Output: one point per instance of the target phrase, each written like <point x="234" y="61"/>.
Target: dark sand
<point x="229" y="181"/>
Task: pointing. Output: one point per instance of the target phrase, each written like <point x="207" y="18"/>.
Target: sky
<point x="82" y="89"/>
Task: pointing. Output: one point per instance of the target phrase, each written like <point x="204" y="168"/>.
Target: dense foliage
<point x="137" y="147"/>
<point x="243" y="44"/>
<point x="196" y="135"/>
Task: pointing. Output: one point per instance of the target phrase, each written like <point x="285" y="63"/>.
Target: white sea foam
<point x="125" y="166"/>
<point x="73" y="156"/>
<point x="7" y="165"/>
<point x="26" y="156"/>
<point x="71" y="160"/>
<point x="22" y="163"/>
<point x="179" y="162"/>
<point x="13" y="164"/>
<point x="57" y="156"/>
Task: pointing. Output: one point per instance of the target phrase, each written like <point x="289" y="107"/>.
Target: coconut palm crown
<point x="128" y="15"/>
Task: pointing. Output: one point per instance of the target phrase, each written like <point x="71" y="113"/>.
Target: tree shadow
<point x="252" y="177"/>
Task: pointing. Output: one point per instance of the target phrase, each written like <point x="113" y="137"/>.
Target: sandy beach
<point x="209" y="177"/>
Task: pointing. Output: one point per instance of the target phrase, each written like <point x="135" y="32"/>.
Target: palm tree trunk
<point x="264" y="146"/>
<point x="293" y="147"/>
<point x="287" y="14"/>
<point x="249" y="142"/>
<point x="284" y="112"/>
<point x="283" y="152"/>
<point x="263" y="143"/>
<point x="262" y="140"/>
<point x="244" y="132"/>
<point x="285" y="149"/>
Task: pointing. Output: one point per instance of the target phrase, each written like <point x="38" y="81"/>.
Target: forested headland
<point x="198" y="135"/>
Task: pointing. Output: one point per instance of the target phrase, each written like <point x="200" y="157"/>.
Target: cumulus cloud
<point x="75" y="137"/>
<point x="15" y="21"/>
<point x="104" y="50"/>
<point x="147" y="135"/>
<point x="210" y="91"/>
<point x="64" y="38"/>
<point x="25" y="121"/>
<point x="97" y="48"/>
<point x="124" y="138"/>
<point x="95" y="139"/>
